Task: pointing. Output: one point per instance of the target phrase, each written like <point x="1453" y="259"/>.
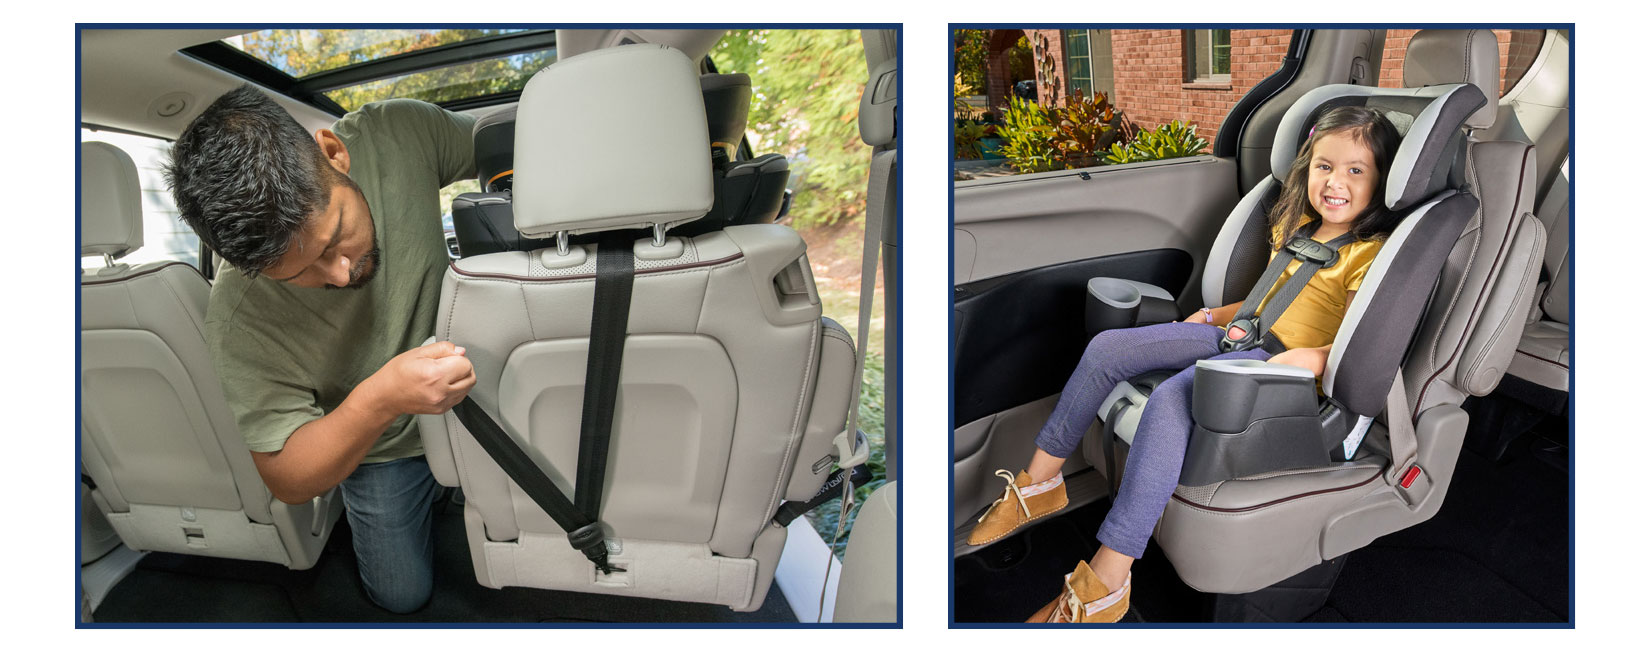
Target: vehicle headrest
<point x="1456" y="56"/>
<point x="1429" y="119"/>
<point x="727" y="106"/>
<point x="495" y="144"/>
<point x="111" y="208"/>
<point x="583" y="125"/>
<point x="878" y="104"/>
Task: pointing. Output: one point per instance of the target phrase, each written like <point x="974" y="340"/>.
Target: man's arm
<point x="321" y="453"/>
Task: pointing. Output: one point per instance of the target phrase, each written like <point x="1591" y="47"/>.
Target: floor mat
<point x="173" y="588"/>
<point x="1497" y="551"/>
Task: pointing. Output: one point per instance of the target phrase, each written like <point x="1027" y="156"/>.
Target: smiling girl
<point x="1331" y="190"/>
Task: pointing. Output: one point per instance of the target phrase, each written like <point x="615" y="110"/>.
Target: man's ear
<point x="333" y="148"/>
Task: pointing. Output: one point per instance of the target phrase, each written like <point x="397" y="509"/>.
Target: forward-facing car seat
<point x="162" y="455"/>
<point x="732" y="386"/>
<point x="1446" y="333"/>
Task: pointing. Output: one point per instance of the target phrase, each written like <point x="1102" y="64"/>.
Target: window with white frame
<point x="1079" y="63"/>
<point x="1208" y="55"/>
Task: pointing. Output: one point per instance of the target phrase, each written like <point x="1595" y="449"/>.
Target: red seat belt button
<point x="1409" y="476"/>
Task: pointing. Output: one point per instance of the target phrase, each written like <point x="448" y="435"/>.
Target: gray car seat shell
<point x="158" y="441"/>
<point x="1244" y="534"/>
<point x="732" y="384"/>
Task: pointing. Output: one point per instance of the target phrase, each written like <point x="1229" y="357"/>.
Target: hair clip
<point x="1311" y="131"/>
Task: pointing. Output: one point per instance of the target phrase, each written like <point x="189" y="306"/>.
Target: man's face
<point x="338" y="247"/>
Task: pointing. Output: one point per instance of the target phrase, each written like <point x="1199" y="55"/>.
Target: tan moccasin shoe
<point x="1085" y="600"/>
<point x="1021" y="503"/>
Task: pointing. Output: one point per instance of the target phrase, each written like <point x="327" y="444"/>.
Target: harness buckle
<point x="1307" y="249"/>
<point x="1241" y="334"/>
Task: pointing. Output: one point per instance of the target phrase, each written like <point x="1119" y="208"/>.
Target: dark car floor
<point x="1498" y="551"/>
<point x="173" y="588"/>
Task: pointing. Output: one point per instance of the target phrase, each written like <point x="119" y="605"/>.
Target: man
<point x="318" y="338"/>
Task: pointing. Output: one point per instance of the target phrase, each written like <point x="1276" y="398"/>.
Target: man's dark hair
<point x="246" y="176"/>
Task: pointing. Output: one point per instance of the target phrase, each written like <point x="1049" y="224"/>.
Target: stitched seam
<point x="1022" y="524"/>
<point x="787" y="461"/>
<point x="1501" y="327"/>
<point x="1542" y="360"/>
<point x="1489" y="277"/>
<point x="1277" y="501"/>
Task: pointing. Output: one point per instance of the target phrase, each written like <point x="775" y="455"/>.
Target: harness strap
<point x="1246" y="331"/>
<point x="615" y="277"/>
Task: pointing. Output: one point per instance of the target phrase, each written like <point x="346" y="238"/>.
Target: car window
<point x="1031" y="100"/>
<point x="165" y="236"/>
<point x="1518" y="48"/>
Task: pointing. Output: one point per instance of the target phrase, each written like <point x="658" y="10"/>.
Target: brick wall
<point x="1149" y="65"/>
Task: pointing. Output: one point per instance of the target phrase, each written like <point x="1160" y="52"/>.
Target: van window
<point x="1158" y="84"/>
<point x="165" y="236"/>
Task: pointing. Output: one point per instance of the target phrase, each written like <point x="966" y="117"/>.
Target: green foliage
<point x="302" y="52"/>
<point x="1083" y="128"/>
<point x="824" y="518"/>
<point x="1172" y="140"/>
<point x="968" y="54"/>
<point x="806" y="85"/>
<point x="968" y="136"/>
<point x="1028" y="138"/>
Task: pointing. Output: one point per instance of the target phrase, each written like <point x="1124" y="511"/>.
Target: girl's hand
<point x="1196" y="317"/>
<point x="1313" y="359"/>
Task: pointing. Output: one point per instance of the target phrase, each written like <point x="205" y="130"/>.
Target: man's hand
<point x="425" y="380"/>
<point x="1313" y="359"/>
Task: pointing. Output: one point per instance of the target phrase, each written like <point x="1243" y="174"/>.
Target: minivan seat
<point x="732" y="385"/>
<point x="162" y="455"/>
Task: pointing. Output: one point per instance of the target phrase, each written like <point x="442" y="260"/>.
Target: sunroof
<point x="305" y="52"/>
<point x="456" y="82"/>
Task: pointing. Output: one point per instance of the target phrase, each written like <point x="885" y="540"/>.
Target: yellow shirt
<point x="1312" y="320"/>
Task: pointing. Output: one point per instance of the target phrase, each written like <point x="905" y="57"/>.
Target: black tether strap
<point x="615" y="275"/>
<point x="1313" y="256"/>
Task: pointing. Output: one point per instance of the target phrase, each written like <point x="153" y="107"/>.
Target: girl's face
<point x="1341" y="180"/>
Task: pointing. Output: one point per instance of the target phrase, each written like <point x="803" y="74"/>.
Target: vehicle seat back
<point x="746" y="191"/>
<point x="158" y="440"/>
<point x="732" y="385"/>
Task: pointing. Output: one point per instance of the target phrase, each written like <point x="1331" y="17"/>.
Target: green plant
<point x="1083" y="129"/>
<point x="969" y="51"/>
<point x="1172" y="140"/>
<point x="960" y="108"/>
<point x="968" y="136"/>
<point x="1028" y="137"/>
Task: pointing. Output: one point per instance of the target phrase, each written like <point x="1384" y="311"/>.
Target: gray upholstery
<point x="1452" y="56"/>
<point x="1245" y="534"/>
<point x="157" y="437"/>
<point x="110" y="201"/>
<point x="868" y="591"/>
<point x="731" y="390"/>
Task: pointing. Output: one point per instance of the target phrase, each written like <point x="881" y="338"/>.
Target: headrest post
<point x="561" y="242"/>
<point x="108" y="260"/>
<point x="658" y="235"/>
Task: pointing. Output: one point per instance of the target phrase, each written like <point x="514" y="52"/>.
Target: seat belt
<point x="615" y="277"/>
<point x="1246" y="331"/>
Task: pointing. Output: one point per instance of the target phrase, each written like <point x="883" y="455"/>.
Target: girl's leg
<point x="1151" y="473"/>
<point x="1113" y="356"/>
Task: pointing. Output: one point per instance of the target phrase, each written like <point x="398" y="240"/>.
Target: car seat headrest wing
<point x="1453" y="56"/>
<point x="111" y="209"/>
<point x="1429" y="119"/>
<point x="495" y="145"/>
<point x="727" y="106"/>
<point x="581" y="127"/>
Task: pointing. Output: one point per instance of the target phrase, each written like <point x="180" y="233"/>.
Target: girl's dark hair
<point x="246" y="176"/>
<point x="1365" y="125"/>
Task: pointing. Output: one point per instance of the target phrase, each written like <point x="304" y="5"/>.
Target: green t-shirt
<point x="288" y="355"/>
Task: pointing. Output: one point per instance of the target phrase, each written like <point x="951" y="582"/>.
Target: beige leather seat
<point x="1241" y="535"/>
<point x="157" y="440"/>
<point x="732" y="385"/>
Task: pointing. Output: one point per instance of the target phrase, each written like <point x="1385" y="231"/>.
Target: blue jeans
<point x="389" y="510"/>
<point x="1153" y="468"/>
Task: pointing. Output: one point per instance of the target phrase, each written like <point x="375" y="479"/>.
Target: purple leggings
<point x="1153" y="468"/>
